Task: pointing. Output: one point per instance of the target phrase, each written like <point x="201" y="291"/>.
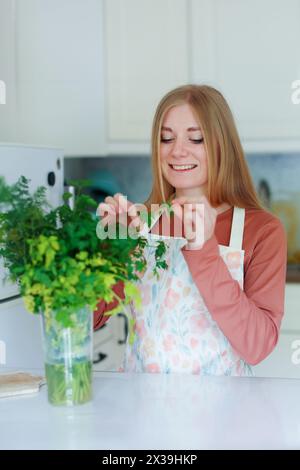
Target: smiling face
<point x="182" y="152"/>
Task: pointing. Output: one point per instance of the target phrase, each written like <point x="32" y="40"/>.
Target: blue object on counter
<point x="104" y="183"/>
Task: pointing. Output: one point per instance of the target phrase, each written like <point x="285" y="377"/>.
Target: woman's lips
<point x="182" y="168"/>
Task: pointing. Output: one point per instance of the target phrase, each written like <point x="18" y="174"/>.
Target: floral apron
<point x="174" y="331"/>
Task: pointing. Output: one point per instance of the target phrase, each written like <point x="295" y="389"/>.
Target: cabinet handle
<point x="123" y="341"/>
<point x="101" y="357"/>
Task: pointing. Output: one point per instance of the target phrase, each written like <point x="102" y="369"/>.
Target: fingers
<point x="113" y="205"/>
<point x="200" y="204"/>
<point x="109" y="206"/>
<point x="121" y="202"/>
<point x="192" y="216"/>
<point x="112" y="201"/>
<point x="103" y="208"/>
<point x="188" y="222"/>
<point x="199" y="218"/>
<point x="117" y="209"/>
<point x="186" y="210"/>
<point x="137" y="223"/>
<point x="106" y="220"/>
<point x="137" y="215"/>
<point x="132" y="211"/>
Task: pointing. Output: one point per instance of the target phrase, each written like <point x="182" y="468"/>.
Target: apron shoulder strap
<point x="237" y="228"/>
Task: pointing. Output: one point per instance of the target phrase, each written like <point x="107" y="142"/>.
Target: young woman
<point x="219" y="306"/>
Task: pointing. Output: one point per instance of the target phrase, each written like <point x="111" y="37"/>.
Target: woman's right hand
<point x="118" y="209"/>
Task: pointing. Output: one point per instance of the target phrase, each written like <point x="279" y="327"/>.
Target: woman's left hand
<point x="198" y="220"/>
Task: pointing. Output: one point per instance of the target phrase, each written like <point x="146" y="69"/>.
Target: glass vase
<point x="68" y="354"/>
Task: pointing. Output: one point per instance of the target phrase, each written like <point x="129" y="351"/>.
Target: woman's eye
<point x="195" y="141"/>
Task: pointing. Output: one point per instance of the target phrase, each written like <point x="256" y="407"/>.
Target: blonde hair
<point x="229" y="179"/>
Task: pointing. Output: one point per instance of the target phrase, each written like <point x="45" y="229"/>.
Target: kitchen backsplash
<point x="131" y="176"/>
<point x="276" y="177"/>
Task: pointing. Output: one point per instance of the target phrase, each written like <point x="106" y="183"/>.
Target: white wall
<point x="7" y="70"/>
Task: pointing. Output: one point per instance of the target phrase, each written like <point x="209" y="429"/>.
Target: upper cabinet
<point x="60" y="85"/>
<point x="147" y="54"/>
<point x="7" y="71"/>
<point x="248" y="50"/>
<point x="87" y="75"/>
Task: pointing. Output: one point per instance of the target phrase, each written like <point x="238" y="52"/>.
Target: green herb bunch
<point x="57" y="259"/>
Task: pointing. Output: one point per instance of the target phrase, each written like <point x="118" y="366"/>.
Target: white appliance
<point x="20" y="331"/>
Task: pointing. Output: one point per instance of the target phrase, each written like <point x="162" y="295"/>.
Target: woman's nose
<point x="179" y="149"/>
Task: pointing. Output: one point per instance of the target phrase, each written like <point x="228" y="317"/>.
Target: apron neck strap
<point x="237" y="228"/>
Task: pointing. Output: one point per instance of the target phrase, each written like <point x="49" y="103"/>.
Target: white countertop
<point x="159" y="411"/>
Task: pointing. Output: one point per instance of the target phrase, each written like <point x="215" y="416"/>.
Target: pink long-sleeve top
<point x="249" y="318"/>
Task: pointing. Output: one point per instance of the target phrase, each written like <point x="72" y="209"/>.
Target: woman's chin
<point x="178" y="183"/>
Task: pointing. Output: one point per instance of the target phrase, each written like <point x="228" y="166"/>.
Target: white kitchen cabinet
<point x="86" y="76"/>
<point x="109" y="344"/>
<point x="60" y="87"/>
<point x="245" y="49"/>
<point x="291" y="319"/>
<point x="248" y="50"/>
<point x="20" y="337"/>
<point x="7" y="71"/>
<point x="147" y="54"/>
<point x="284" y="361"/>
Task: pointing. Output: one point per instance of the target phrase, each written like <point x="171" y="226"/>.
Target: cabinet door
<point x="147" y="55"/>
<point x="7" y="71"/>
<point x="109" y="344"/>
<point x="284" y="361"/>
<point x="291" y="319"/>
<point x="20" y="337"/>
<point x="248" y="50"/>
<point x="60" y="75"/>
